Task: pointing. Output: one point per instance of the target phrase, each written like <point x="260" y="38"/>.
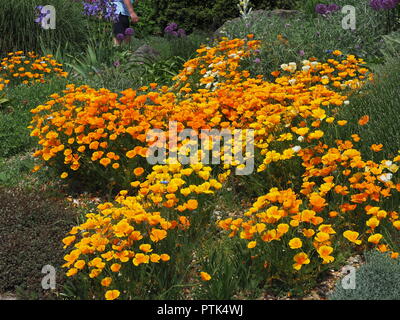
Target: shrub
<point x="20" y="32"/>
<point x="147" y="25"/>
<point x="15" y="115"/>
<point x="392" y="45"/>
<point x="30" y="230"/>
<point x="377" y="279"/>
<point x="205" y="15"/>
<point x="379" y="100"/>
<point x="303" y="36"/>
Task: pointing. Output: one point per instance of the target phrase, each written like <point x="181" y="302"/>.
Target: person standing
<point x="125" y="13"/>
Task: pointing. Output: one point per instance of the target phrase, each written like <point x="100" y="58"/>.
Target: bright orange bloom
<point x="363" y="120"/>
<point x="205" y="276"/>
<point x="352" y="236"/>
<point x="300" y="259"/>
<point x="112" y="294"/>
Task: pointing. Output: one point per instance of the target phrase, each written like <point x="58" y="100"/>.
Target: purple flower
<point x="40" y="14"/>
<point x="257" y="60"/>
<point x="120" y="37"/>
<point x="172" y="30"/>
<point x="321" y="8"/>
<point x="384" y="4"/>
<point x="302" y="53"/>
<point x="181" y="33"/>
<point x="100" y="8"/>
<point x="116" y="64"/>
<point x="171" y="27"/>
<point x="333" y="7"/>
<point x="325" y="9"/>
<point x="129" y="31"/>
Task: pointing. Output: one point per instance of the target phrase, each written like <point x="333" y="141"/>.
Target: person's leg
<point x="125" y="20"/>
<point x="119" y="29"/>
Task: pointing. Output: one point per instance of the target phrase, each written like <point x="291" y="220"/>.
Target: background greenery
<point x="20" y="32"/>
<point x="206" y="14"/>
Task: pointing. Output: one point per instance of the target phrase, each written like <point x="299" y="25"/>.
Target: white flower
<point x="347" y="102"/>
<point x="296" y="148"/>
<point x="314" y="63"/>
<point x="388" y="163"/>
<point x="300" y="138"/>
<point x="386" y="177"/>
<point x="292" y="81"/>
<point x="306" y="68"/>
<point x="208" y="85"/>
<point x="284" y="66"/>
<point x="306" y="62"/>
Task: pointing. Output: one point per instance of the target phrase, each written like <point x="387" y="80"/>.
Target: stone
<point x="145" y="51"/>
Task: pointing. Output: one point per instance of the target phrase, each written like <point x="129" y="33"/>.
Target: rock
<point x="145" y="52"/>
<point x="283" y="13"/>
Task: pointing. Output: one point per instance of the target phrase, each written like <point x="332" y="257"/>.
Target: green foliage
<point x="220" y="262"/>
<point x="119" y="68"/>
<point x="146" y="25"/>
<point x="308" y="6"/>
<point x="161" y="71"/>
<point x="31" y="230"/>
<point x="206" y="14"/>
<point x="303" y="36"/>
<point x="377" y="279"/>
<point x="15" y="114"/>
<point x="380" y="100"/>
<point x="15" y="169"/>
<point x="392" y="45"/>
<point x="20" y="32"/>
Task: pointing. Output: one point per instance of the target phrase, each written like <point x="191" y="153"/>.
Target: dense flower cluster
<point x="219" y="64"/>
<point x="26" y="68"/>
<point x="128" y="33"/>
<point x="172" y="30"/>
<point x="112" y="240"/>
<point x="104" y="9"/>
<point x="340" y="194"/>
